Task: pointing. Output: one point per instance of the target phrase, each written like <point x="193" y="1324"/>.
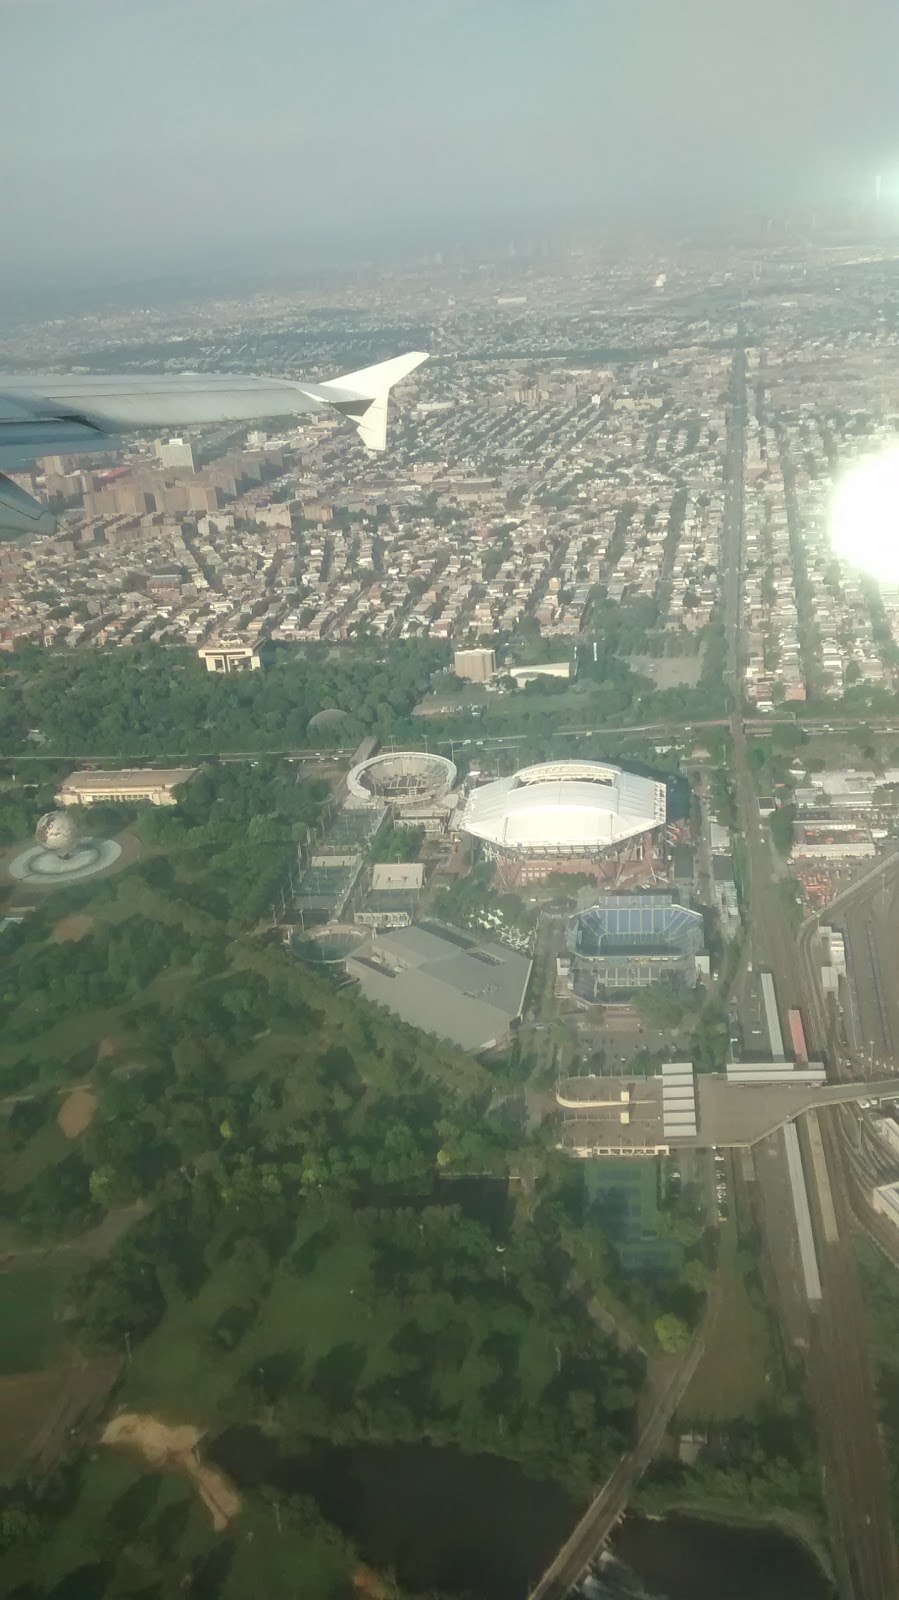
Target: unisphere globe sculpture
<point x="61" y="854"/>
<point x="57" y="831"/>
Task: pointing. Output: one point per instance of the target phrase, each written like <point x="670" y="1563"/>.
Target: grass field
<point x="35" y="1356"/>
<point x="25" y="1400"/>
<point x="84" y="1031"/>
<point x="879" y="1282"/>
<point x="64" y="1039"/>
<point x="736" y="1375"/>
<point x="29" y="1333"/>
<point x="141" y="1524"/>
<point x="46" y="1147"/>
<point x="134" y="897"/>
<point x="182" y="1367"/>
<point x="321" y="1310"/>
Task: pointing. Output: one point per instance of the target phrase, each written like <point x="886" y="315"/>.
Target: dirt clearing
<point x="669" y="672"/>
<point x="76" y="1112"/>
<point x="69" y="929"/>
<point x="369" y="1586"/>
<point x="174" y="1449"/>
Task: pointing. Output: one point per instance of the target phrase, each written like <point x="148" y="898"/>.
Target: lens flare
<point x="864" y="517"/>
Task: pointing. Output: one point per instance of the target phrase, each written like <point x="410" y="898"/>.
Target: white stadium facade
<point x="401" y="775"/>
<point x="568" y="816"/>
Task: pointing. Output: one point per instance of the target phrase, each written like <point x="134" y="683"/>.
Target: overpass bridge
<point x="729" y="1115"/>
<point x="736" y="1116"/>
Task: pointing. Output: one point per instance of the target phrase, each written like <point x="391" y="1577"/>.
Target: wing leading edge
<point x="73" y="413"/>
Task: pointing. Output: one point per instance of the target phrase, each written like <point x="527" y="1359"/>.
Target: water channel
<point x="479" y="1528"/>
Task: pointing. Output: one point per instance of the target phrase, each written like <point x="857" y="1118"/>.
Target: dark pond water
<point x="683" y="1558"/>
<point x="467" y="1525"/>
<point x="480" y="1528"/>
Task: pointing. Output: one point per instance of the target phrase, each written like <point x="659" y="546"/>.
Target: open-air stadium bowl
<point x="402" y="775"/>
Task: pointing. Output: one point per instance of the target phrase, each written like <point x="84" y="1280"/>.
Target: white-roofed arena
<point x="569" y="816"/>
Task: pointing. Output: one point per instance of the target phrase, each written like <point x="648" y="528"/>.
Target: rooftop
<point x="445" y="982"/>
<point x="139" y="779"/>
<point x="408" y="875"/>
<point x="581" y="805"/>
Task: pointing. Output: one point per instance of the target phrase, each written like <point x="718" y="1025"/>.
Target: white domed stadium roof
<point x="564" y="806"/>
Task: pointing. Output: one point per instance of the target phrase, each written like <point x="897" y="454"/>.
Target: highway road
<point x="673" y="728"/>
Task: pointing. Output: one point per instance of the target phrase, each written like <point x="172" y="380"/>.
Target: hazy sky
<point x="169" y="132"/>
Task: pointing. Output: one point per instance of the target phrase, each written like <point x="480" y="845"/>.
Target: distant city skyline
<point x="186" y="135"/>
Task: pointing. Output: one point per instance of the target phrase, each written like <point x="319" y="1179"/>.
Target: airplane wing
<point x="71" y="413"/>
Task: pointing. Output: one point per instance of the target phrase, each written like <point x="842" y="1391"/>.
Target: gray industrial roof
<point x="449" y="984"/>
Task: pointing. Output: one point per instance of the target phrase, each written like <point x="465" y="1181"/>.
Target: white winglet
<point x="363" y="395"/>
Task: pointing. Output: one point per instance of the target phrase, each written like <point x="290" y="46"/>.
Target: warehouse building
<point x="885" y="1200"/>
<point x="445" y="982"/>
<point x="825" y="842"/>
<point x="393" y="897"/>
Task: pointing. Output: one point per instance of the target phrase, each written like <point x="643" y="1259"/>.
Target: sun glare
<point x="864" y="517"/>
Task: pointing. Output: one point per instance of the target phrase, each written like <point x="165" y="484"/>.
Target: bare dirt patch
<point x="77" y="1112"/>
<point x="69" y="929"/>
<point x="368" y="1585"/>
<point x="669" y="672"/>
<point x="108" y="1047"/>
<point x="172" y="1448"/>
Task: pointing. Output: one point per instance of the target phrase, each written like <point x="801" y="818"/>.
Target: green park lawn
<point x="879" y="1286"/>
<point x="134" y="897"/>
<point x="30" y="1336"/>
<point x="286" y="1140"/>
<point x="43" y="1150"/>
<point x="737" y="1374"/>
<point x="183" y="1371"/>
<point x="321" y="1308"/>
<point x="80" y="1030"/>
<point x="147" y="1524"/>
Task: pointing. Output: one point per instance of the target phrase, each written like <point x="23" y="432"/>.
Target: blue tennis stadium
<point x="626" y="941"/>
